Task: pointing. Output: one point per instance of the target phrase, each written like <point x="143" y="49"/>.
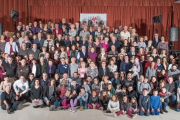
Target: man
<point x="34" y="51"/>
<point x="76" y="77"/>
<point x="63" y="67"/>
<point x="51" y="68"/>
<point x="7" y="98"/>
<point x="115" y="80"/>
<point x="57" y="30"/>
<point x="42" y="64"/>
<point x="156" y="40"/>
<point x="27" y="31"/>
<point x="73" y="67"/>
<point x="103" y="70"/>
<point x="23" y="69"/>
<point x="125" y="65"/>
<point x="82" y="53"/>
<point x="84" y="32"/>
<point x="170" y="87"/>
<point x="78" y="29"/>
<point x="113" y="51"/>
<point x="10" y="69"/>
<point x="5" y="61"/>
<point x="35" y="28"/>
<point x="83" y="42"/>
<point x="39" y="41"/>
<point x="44" y="80"/>
<point x="132" y="52"/>
<point x="64" y="23"/>
<point x="21" y="88"/>
<point x="70" y="42"/>
<point x="174" y="72"/>
<point x="21" y="39"/>
<point x="114" y="42"/>
<point x="128" y="81"/>
<point x="125" y="34"/>
<point x="23" y="51"/>
<point x="67" y="80"/>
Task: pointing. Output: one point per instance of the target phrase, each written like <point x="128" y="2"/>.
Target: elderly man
<point x="64" y="23"/>
<point x="34" y="51"/>
<point x="7" y="98"/>
<point x="23" y="51"/>
<point x="125" y="34"/>
<point x="23" y="69"/>
<point x="35" y="28"/>
<point x="39" y="41"/>
<point x="82" y="53"/>
<point x="84" y="32"/>
<point x="21" y="88"/>
<point x="67" y="80"/>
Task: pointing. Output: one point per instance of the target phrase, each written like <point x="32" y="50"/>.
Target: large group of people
<point x="68" y="66"/>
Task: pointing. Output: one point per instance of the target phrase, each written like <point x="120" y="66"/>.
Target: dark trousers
<point x="12" y="106"/>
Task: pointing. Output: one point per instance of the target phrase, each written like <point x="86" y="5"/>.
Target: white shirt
<point x="125" y="35"/>
<point x="34" y="70"/>
<point x="21" y="87"/>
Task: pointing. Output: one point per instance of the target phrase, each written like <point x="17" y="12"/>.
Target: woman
<point x="2" y="44"/>
<point x="35" y="68"/>
<point x="101" y="38"/>
<point x="2" y="71"/>
<point x="3" y="85"/>
<point x="151" y="71"/>
<point x="141" y="43"/>
<point x="165" y="63"/>
<point x="122" y="52"/>
<point x="104" y="83"/>
<point x="27" y="42"/>
<point x="73" y="52"/>
<point x="37" y="94"/>
<point x="96" y="86"/>
<point x="112" y="67"/>
<point x="154" y="54"/>
<point x="82" y="70"/>
<point x="72" y="31"/>
<point x="163" y="45"/>
<point x="126" y="46"/>
<point x="122" y="76"/>
<point x="105" y="44"/>
<point x="153" y="83"/>
<point x="134" y="34"/>
<point x="140" y="53"/>
<point x="52" y="51"/>
<point x="98" y="32"/>
<point x="50" y="94"/>
<point x="163" y="75"/>
<point x="11" y="46"/>
<point x="63" y="53"/>
<point x="91" y="30"/>
<point x="46" y="29"/>
<point x="163" y="53"/>
<point x="92" y="70"/>
<point x="173" y="61"/>
<point x="92" y="54"/>
<point x="48" y="43"/>
<point x="150" y="46"/>
<point x="90" y="42"/>
<point x="102" y="55"/>
<point x="97" y="45"/>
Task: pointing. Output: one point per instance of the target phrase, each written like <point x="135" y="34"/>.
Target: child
<point x="93" y="101"/>
<point x="73" y="100"/>
<point x="124" y="92"/>
<point x="110" y="88"/>
<point x="135" y="71"/>
<point x="125" y="107"/>
<point x="163" y="96"/>
<point x="87" y="88"/>
<point x="66" y="100"/>
<point x="146" y="85"/>
<point x="96" y="86"/>
<point x="61" y="92"/>
<point x="113" y="105"/>
<point x="132" y="92"/>
<point x="75" y="86"/>
<point x="104" y="100"/>
<point x="133" y="106"/>
<point x="83" y="97"/>
<point x="155" y="103"/>
<point x="144" y="103"/>
<point x="118" y="90"/>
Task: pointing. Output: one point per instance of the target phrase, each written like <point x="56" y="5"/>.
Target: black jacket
<point x="53" y="70"/>
<point x="46" y="91"/>
<point x="38" y="70"/>
<point x="10" y="69"/>
<point x="154" y="42"/>
<point x="101" y="72"/>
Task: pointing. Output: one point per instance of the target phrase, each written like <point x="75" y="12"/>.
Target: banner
<point x="93" y="19"/>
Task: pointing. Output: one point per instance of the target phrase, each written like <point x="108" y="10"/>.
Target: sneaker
<point x="134" y="115"/>
<point x="81" y="108"/>
<point x="70" y="110"/>
<point x="161" y="112"/>
<point x="8" y="111"/>
<point x="115" y="115"/>
<point x="108" y="111"/>
<point x="165" y="111"/>
<point x="51" y="108"/>
<point x="73" y="111"/>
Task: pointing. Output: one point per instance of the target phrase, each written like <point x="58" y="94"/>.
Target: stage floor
<point x="27" y="112"/>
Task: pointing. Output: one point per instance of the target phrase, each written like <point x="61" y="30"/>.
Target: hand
<point x="37" y="100"/>
<point x="47" y="102"/>
<point x="143" y="109"/>
<point x="162" y="100"/>
<point x="17" y="93"/>
<point x="20" y="94"/>
<point x="158" y="110"/>
<point x="124" y="113"/>
<point x="4" y="73"/>
<point x="16" y="98"/>
<point x="148" y="111"/>
<point x="111" y="111"/>
<point x="7" y="107"/>
<point x="152" y="110"/>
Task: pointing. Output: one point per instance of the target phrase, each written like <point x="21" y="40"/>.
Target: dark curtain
<point x="5" y="11"/>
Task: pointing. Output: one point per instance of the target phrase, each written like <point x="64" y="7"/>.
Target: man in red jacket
<point x="57" y="30"/>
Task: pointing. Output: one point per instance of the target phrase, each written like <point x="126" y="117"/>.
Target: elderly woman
<point x="11" y="46"/>
<point x="105" y="44"/>
<point x="92" y="70"/>
<point x="48" y="43"/>
<point x="163" y="45"/>
<point x="72" y="31"/>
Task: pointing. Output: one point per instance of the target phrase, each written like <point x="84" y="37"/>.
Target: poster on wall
<point x="93" y="19"/>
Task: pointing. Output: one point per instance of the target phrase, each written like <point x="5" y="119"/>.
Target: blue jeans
<point x="12" y="106"/>
<point x="172" y="100"/>
<point x="83" y="103"/>
<point x="52" y="99"/>
<point x="141" y="113"/>
<point x="164" y="104"/>
<point x="0" y="95"/>
<point x="58" y="102"/>
<point x="155" y="112"/>
<point x="178" y="109"/>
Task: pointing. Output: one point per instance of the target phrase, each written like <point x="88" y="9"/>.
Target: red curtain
<point x="5" y="11"/>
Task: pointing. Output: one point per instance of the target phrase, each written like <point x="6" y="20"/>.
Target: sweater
<point x="63" y="68"/>
<point x="84" y="97"/>
<point x="113" y="105"/>
<point x="144" y="102"/>
<point x="145" y="85"/>
<point x="155" y="102"/>
<point x="93" y="100"/>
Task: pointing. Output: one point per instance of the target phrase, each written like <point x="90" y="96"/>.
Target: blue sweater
<point x="39" y="43"/>
<point x="63" y="68"/>
<point x="144" y="102"/>
<point x="93" y="100"/>
<point x="155" y="102"/>
<point x="125" y="66"/>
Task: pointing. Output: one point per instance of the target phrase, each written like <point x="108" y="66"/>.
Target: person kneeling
<point x="155" y="103"/>
<point x="7" y="98"/>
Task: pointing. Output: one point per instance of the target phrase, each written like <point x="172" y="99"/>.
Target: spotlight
<point x="14" y="14"/>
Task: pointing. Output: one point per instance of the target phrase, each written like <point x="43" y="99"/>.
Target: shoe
<point x="8" y="111"/>
<point x="51" y="108"/>
<point x="108" y="111"/>
<point x="115" y="115"/>
<point x="81" y="108"/>
<point x="73" y="111"/>
<point x="161" y="112"/>
<point x="134" y="115"/>
<point x="41" y="106"/>
<point x="165" y="111"/>
<point x="35" y="106"/>
<point x="70" y="110"/>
